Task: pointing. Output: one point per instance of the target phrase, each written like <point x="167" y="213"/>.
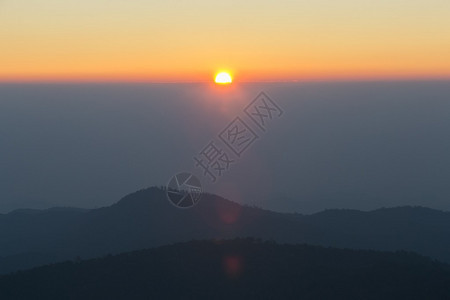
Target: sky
<point x="180" y="40"/>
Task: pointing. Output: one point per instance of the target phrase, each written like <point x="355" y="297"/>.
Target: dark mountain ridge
<point x="146" y="219"/>
<point x="236" y="269"/>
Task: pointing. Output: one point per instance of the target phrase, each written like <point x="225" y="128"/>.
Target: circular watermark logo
<point x="184" y="190"/>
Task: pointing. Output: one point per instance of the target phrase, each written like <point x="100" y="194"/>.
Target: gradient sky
<point x="180" y="40"/>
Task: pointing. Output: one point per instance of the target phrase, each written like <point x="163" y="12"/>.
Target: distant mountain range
<point x="146" y="219"/>
<point x="236" y="269"/>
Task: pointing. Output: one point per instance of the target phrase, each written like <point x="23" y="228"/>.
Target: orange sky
<point x="180" y="40"/>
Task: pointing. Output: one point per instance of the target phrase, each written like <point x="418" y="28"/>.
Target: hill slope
<point x="238" y="269"/>
<point x="146" y="219"/>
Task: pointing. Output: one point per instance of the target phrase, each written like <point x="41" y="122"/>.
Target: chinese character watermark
<point x="184" y="189"/>
<point x="262" y="110"/>
<point x="238" y="136"/>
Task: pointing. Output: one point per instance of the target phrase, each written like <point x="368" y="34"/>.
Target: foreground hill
<point x="238" y="269"/>
<point x="146" y="219"/>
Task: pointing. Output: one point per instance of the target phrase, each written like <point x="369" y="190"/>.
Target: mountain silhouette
<point x="146" y="219"/>
<point x="236" y="269"/>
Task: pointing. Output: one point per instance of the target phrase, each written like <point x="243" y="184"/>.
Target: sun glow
<point x="223" y="78"/>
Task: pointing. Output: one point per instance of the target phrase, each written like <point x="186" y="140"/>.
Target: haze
<point x="338" y="145"/>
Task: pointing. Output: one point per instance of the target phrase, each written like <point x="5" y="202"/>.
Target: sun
<point x="223" y="78"/>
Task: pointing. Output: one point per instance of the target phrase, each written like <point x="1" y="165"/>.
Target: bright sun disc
<point x="223" y="78"/>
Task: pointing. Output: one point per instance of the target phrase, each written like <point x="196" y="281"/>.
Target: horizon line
<point x="152" y="81"/>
